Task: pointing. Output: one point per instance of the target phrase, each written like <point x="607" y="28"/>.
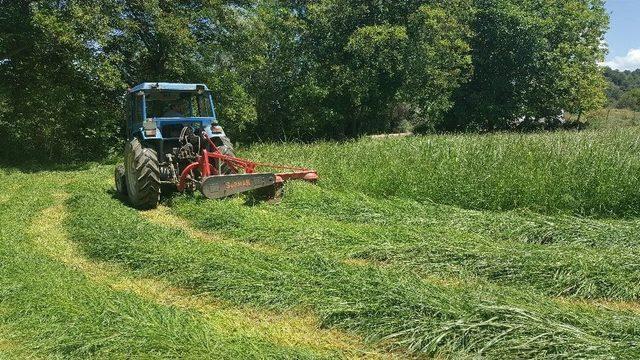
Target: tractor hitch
<point x="240" y="176"/>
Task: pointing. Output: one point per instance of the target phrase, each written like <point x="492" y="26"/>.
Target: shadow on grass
<point x="31" y="167"/>
<point x="168" y="194"/>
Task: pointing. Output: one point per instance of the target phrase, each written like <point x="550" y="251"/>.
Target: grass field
<point x="456" y="246"/>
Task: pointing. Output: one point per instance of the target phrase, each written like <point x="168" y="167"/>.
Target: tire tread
<point x="147" y="176"/>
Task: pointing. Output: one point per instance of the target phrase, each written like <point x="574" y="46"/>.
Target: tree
<point x="335" y="69"/>
<point x="532" y="59"/>
<point x="295" y="69"/>
<point x="439" y="62"/>
<point x="61" y="87"/>
<point x="618" y="83"/>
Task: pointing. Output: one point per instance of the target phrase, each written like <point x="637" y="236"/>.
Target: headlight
<point x="150" y="128"/>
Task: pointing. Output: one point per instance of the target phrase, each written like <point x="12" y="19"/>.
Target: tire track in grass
<point x="619" y="305"/>
<point x="282" y="329"/>
<point x="11" y="349"/>
<point x="162" y="216"/>
<point x="599" y="304"/>
<point x="165" y="217"/>
<point x="6" y="345"/>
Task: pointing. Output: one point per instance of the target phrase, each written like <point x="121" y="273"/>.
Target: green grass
<point x="464" y="246"/>
<point x="406" y="310"/>
<point x="520" y="224"/>
<point x="586" y="173"/>
<point x="609" y="118"/>
<point x="311" y="220"/>
<point x="51" y="311"/>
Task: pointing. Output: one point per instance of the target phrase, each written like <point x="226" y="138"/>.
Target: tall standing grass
<point x="584" y="173"/>
<point x="608" y="118"/>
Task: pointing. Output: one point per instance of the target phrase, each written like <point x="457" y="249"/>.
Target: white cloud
<point x="631" y="61"/>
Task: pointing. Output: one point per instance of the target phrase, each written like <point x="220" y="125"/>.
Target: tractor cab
<point x="158" y="113"/>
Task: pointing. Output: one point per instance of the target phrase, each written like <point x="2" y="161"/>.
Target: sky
<point x="623" y="37"/>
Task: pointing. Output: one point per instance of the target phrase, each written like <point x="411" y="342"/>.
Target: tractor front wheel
<point x="142" y="175"/>
<point x="121" y="180"/>
<point x="226" y="149"/>
<point x="224" y="168"/>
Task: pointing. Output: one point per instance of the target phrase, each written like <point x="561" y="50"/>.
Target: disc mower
<point x="174" y="142"/>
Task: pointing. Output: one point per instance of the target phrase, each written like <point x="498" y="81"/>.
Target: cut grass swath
<point x="388" y="305"/>
<point x="49" y="310"/>
<point x="311" y="221"/>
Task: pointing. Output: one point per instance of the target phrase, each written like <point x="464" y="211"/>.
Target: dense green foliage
<point x="531" y="59"/>
<point x="630" y="100"/>
<point x="59" y="90"/>
<point x="621" y="88"/>
<point x="304" y="70"/>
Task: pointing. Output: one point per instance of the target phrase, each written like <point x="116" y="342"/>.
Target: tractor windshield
<point x="170" y="104"/>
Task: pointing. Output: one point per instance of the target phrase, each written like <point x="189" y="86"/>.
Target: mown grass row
<point x="396" y="307"/>
<point x="522" y="225"/>
<point x="587" y="173"/>
<point x="311" y="221"/>
<point x="48" y="310"/>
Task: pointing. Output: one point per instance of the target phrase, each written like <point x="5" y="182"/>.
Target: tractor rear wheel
<point x="142" y="174"/>
<point x="120" y="180"/>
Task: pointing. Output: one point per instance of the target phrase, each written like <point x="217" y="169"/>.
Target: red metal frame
<point x="204" y="165"/>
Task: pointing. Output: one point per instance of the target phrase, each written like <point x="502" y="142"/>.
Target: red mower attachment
<point x="218" y="175"/>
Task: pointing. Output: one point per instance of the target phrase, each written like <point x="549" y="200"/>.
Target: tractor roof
<point x="167" y="86"/>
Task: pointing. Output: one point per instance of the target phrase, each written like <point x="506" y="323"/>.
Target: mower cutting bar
<point x="217" y="187"/>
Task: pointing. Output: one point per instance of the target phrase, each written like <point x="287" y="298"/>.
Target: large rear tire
<point x="142" y="175"/>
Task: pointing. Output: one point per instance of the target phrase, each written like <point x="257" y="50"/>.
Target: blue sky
<point x="623" y="37"/>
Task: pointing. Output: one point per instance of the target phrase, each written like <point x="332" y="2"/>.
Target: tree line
<point x="294" y="69"/>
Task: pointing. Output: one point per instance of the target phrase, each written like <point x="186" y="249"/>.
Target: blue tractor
<point x="174" y="141"/>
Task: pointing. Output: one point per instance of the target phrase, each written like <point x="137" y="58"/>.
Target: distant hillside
<point x="620" y="85"/>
